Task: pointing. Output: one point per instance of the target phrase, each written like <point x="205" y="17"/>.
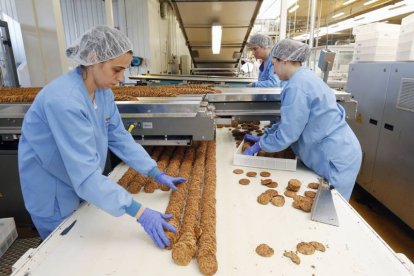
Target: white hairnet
<point x="98" y="44"/>
<point x="289" y="49"/>
<point x="261" y="40"/>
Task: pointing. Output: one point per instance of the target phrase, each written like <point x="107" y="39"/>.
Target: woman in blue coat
<point x="66" y="134"/>
<point x="261" y="46"/>
<point x="312" y="123"/>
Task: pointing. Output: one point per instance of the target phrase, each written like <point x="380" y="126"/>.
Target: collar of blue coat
<point x="77" y="73"/>
<point x="299" y="72"/>
<point x="267" y="63"/>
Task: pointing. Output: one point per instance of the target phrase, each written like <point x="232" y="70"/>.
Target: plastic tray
<point x="8" y="234"/>
<point x="263" y="162"/>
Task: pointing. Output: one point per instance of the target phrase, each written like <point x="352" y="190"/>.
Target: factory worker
<point x="261" y="46"/>
<point x="312" y="123"/>
<point x="65" y="138"/>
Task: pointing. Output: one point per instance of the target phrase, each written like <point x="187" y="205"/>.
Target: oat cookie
<point x="251" y="174"/>
<point x="318" y="246"/>
<point x="274" y="184"/>
<point x="264" y="250"/>
<point x="291" y="255"/>
<point x="238" y="171"/>
<point x="310" y="194"/>
<point x="290" y="193"/>
<point x="293" y="185"/>
<point x="313" y="185"/>
<point x="305" y="248"/>
<point x="266" y="181"/>
<point x="278" y="201"/>
<point x="264" y="174"/>
<point x="271" y="192"/>
<point x="244" y="181"/>
<point x="264" y="198"/>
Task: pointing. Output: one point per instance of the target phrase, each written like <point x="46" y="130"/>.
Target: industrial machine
<point x="384" y="126"/>
<point x="152" y="121"/>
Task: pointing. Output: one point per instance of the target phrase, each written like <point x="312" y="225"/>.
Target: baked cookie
<point x="278" y="200"/>
<point x="294" y="185"/>
<point x="271" y="192"/>
<point x="289" y="193"/>
<point x="244" y="181"/>
<point x="251" y="174"/>
<point x="274" y="184"/>
<point x="313" y="185"/>
<point x="264" y="198"/>
<point x="310" y="194"/>
<point x="305" y="248"/>
<point x="264" y="174"/>
<point x="238" y="171"/>
<point x="266" y="181"/>
<point x="318" y="246"/>
<point x="291" y="255"/>
<point x="264" y="250"/>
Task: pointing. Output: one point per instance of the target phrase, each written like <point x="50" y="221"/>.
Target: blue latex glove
<point x="154" y="224"/>
<point x="253" y="149"/>
<point x="251" y="138"/>
<point x="170" y="181"/>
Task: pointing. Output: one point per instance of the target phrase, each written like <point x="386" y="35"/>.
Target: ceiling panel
<point x="197" y="17"/>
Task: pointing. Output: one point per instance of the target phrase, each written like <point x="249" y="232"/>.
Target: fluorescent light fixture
<point x="216" y="31"/>
<point x="348" y="2"/>
<point x="338" y="15"/>
<point x="294" y="8"/>
<point x="370" y="2"/>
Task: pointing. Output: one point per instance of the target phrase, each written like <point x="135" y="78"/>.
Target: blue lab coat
<point x="267" y="77"/>
<point x="63" y="148"/>
<point x="315" y="127"/>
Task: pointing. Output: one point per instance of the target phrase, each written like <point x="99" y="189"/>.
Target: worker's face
<point x="109" y="73"/>
<point x="258" y="52"/>
<point x="280" y="68"/>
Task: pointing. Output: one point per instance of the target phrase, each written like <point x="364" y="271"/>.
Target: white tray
<point x="263" y="162"/>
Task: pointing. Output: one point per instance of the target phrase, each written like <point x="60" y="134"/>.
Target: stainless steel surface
<point x="193" y="78"/>
<point x="386" y="134"/>
<point x="323" y="208"/>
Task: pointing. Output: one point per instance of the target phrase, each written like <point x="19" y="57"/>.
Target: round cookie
<point x="264" y="250"/>
<point x="244" y="181"/>
<point x="271" y="192"/>
<point x="264" y="174"/>
<point x="264" y="198"/>
<point x="310" y="194"/>
<point x="278" y="201"/>
<point x="289" y="193"/>
<point x="238" y="171"/>
<point x="305" y="248"/>
<point x="313" y="185"/>
<point x="274" y="184"/>
<point x="251" y="174"/>
<point x="293" y="185"/>
<point x="265" y="181"/>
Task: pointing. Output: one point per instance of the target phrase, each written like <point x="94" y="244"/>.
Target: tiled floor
<point x="399" y="236"/>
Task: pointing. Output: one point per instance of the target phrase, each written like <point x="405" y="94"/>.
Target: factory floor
<point x="398" y="235"/>
<point x="393" y="231"/>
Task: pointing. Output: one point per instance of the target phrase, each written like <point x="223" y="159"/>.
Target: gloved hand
<point x="253" y="149"/>
<point x="154" y="224"/>
<point x="170" y="181"/>
<point x="251" y="138"/>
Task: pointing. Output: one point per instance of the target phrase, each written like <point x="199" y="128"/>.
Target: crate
<point x="8" y="234"/>
<point x="405" y="56"/>
<point x="408" y="20"/>
<point x="374" y="57"/>
<point x="376" y="36"/>
<point x="240" y="159"/>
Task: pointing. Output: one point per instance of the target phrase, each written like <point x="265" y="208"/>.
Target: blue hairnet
<point x="98" y="44"/>
<point x="289" y="49"/>
<point x="261" y="40"/>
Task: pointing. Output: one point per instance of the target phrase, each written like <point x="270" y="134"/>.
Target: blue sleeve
<point x="272" y="81"/>
<point x="124" y="146"/>
<point x="295" y="112"/>
<point x="75" y="141"/>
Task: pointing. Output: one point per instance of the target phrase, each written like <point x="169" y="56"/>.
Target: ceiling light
<point x="216" y="31"/>
<point x="338" y="15"/>
<point x="370" y="2"/>
<point x="294" y="8"/>
<point x="348" y="2"/>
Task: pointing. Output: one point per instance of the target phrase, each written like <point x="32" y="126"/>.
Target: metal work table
<point x="100" y="244"/>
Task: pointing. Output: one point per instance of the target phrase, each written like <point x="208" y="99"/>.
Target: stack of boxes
<point x="376" y="42"/>
<point x="405" y="49"/>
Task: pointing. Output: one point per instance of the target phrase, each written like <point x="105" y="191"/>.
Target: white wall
<point x="41" y="40"/>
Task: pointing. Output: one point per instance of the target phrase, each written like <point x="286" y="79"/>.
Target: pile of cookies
<point x="18" y="95"/>
<point x="130" y="93"/>
<point x="305" y="248"/>
<point x="192" y="204"/>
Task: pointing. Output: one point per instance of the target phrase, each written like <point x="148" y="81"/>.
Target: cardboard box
<point x="8" y="234"/>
